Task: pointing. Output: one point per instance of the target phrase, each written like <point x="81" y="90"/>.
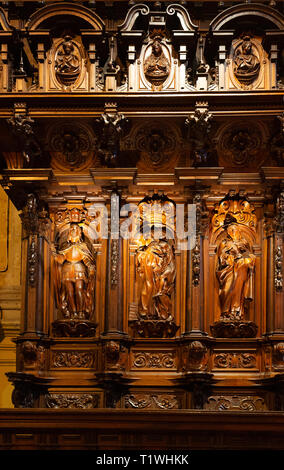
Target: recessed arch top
<point x="3" y="21"/>
<point x="64" y="8"/>
<point x="248" y="9"/>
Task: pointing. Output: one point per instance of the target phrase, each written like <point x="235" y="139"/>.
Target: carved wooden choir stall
<point x="113" y="118"/>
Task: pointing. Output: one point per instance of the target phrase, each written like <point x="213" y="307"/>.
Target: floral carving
<point x="165" y="402"/>
<point x="235" y="403"/>
<point x="81" y="359"/>
<point x="72" y="400"/>
<point x="152" y="360"/>
<point x="234" y="360"/>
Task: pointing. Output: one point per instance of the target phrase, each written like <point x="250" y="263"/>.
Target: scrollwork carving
<point x="235" y="360"/>
<point x="161" y="401"/>
<point x="154" y="360"/>
<point x="72" y="400"/>
<point x="80" y="359"/>
<point x="238" y="403"/>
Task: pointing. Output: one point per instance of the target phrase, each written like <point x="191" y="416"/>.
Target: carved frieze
<point x="233" y="360"/>
<point x="152" y="401"/>
<point x="72" y="400"/>
<point x="153" y="360"/>
<point x="235" y="403"/>
<point x="73" y="359"/>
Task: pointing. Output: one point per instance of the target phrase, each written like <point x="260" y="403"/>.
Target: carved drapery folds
<point x="74" y="274"/>
<point x="156" y="267"/>
<point x="235" y="222"/>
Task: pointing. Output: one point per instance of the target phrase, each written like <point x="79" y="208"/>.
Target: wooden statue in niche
<point x="74" y="270"/>
<point x="234" y="271"/>
<point x="234" y="224"/>
<point x="67" y="63"/>
<point x="156" y="268"/>
<point x="157" y="66"/>
<point x="246" y="64"/>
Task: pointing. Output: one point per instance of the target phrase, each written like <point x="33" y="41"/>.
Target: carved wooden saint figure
<point x="246" y="63"/>
<point x="234" y="271"/>
<point x="67" y="63"/>
<point x="75" y="276"/>
<point x="157" y="66"/>
<point x="157" y="272"/>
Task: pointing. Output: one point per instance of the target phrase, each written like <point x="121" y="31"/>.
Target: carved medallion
<point x="71" y="146"/>
<point x="246" y="63"/>
<point x="241" y="144"/>
<point x="156" y="64"/>
<point x="159" y="145"/>
<point x="67" y="62"/>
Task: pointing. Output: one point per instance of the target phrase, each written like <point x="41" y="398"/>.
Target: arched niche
<point x="49" y="27"/>
<point x="40" y="19"/>
<point x="229" y="18"/>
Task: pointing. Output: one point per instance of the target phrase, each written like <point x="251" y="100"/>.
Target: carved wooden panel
<point x="165" y="401"/>
<point x="160" y="360"/>
<point x="72" y="400"/>
<point x="75" y="359"/>
<point x="235" y="403"/>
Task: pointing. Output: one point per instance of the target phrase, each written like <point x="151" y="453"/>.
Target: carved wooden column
<point x="278" y="266"/>
<point x="35" y="224"/>
<point x="195" y="275"/>
<point x="114" y="288"/>
<point x="269" y="234"/>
